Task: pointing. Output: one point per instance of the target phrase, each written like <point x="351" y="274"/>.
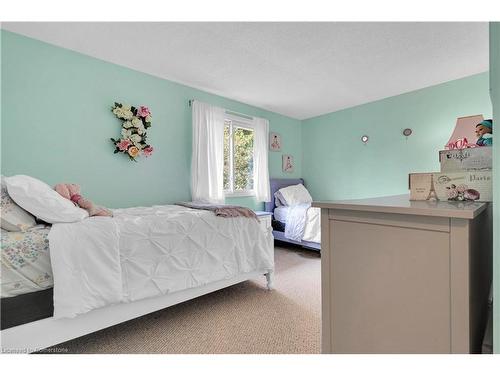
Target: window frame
<point x="242" y="123"/>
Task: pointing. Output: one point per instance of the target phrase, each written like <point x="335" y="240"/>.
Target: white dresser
<point x="404" y="277"/>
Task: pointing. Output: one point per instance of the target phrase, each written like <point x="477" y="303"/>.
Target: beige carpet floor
<point x="245" y="318"/>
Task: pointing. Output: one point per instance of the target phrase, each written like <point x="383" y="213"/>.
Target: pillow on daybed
<point x="277" y="200"/>
<point x="293" y="195"/>
<point x="14" y="218"/>
<point x="41" y="200"/>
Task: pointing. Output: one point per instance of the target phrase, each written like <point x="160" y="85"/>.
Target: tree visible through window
<point x="238" y="157"/>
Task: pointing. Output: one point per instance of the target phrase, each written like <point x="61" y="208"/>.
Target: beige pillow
<point x="13" y="217"/>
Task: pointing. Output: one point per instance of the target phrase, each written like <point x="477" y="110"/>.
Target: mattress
<point x="281" y="213"/>
<point x="25" y="263"/>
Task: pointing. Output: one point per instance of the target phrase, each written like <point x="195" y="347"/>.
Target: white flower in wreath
<point x="118" y="112"/>
<point x="136" y="122"/>
<point x="148" y="118"/>
<point x="126" y="133"/>
<point x="127" y="124"/>
<point x="140" y="129"/>
<point x="126" y="107"/>
<point x="127" y="114"/>
<point x="136" y="138"/>
<point x="122" y="113"/>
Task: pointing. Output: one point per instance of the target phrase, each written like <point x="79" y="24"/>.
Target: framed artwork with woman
<point x="274" y="142"/>
<point x="288" y="163"/>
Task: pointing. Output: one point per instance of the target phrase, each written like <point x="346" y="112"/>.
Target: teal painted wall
<point x="56" y="125"/>
<point x="337" y="165"/>
<point x="495" y="100"/>
<point x="56" y="122"/>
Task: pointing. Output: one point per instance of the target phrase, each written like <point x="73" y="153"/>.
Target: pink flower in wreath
<point x="147" y="151"/>
<point x="123" y="145"/>
<point x="143" y="111"/>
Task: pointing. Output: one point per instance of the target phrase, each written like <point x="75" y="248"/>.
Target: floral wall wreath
<point x="133" y="140"/>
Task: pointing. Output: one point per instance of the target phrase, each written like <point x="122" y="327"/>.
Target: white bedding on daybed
<point x="312" y="230"/>
<point x="293" y="207"/>
<point x="303" y="223"/>
<point x="312" y="224"/>
<point x="281" y="213"/>
<point x="148" y="251"/>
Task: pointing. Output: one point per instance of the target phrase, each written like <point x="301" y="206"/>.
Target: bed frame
<point x="40" y="334"/>
<point x="276" y="184"/>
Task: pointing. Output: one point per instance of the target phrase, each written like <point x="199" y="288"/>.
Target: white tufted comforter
<point x="148" y="251"/>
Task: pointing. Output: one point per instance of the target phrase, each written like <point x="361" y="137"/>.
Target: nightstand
<point x="264" y="219"/>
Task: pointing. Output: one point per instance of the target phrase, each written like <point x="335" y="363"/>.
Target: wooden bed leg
<point x="270" y="280"/>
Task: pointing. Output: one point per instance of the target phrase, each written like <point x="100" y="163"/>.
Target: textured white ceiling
<point x="297" y="69"/>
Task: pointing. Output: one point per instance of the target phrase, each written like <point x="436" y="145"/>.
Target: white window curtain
<point x="207" y="162"/>
<point x="261" y="164"/>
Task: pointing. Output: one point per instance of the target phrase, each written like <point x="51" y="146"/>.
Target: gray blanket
<point x="222" y="210"/>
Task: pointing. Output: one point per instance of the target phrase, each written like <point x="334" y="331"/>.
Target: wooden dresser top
<point x="401" y="204"/>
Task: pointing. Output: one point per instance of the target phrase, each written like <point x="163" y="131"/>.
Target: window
<point x="238" y="158"/>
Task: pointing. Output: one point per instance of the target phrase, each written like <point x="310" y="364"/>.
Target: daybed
<point x="281" y="213"/>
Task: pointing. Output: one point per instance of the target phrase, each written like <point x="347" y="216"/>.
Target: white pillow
<point x="277" y="199"/>
<point x="13" y="217"/>
<point x="294" y="194"/>
<point x="41" y="200"/>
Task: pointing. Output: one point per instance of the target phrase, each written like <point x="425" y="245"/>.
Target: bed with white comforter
<point x="145" y="252"/>
<point x="107" y="270"/>
<point x="292" y="208"/>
